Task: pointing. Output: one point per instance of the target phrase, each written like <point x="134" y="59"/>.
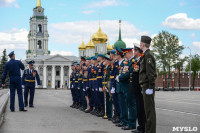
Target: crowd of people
<point x="119" y="86"/>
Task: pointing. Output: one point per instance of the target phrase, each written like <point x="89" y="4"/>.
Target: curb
<point x="4" y="100"/>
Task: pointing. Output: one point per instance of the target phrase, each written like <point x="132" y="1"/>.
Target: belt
<point x="70" y="81"/>
<point x="76" y="81"/>
<point x="30" y="80"/>
<point x="99" y="77"/>
<point x="90" y="79"/>
<point x="112" y="77"/>
<point x="105" y="83"/>
<point x="85" y="80"/>
<point x="94" y="78"/>
<point x="80" y="79"/>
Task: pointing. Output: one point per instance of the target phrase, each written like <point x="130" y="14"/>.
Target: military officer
<point x="28" y="81"/>
<point x="13" y="68"/>
<point x="129" y="95"/>
<point x="106" y="86"/>
<point x="94" y="84"/>
<point x="113" y="73"/>
<point x="135" y="87"/>
<point x="100" y="68"/>
<point x="72" y="85"/>
<point x="120" y="89"/>
<point x="76" y="88"/>
<point x="81" y="77"/>
<point x="147" y="77"/>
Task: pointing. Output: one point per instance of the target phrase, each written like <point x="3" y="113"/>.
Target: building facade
<point x="54" y="70"/>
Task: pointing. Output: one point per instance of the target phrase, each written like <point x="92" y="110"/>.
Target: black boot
<point x="117" y="119"/>
<point x="72" y="104"/>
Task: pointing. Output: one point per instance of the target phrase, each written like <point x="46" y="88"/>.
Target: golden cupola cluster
<point x="90" y="45"/>
<point x="99" y="37"/>
<point x="82" y="46"/>
<point x="109" y="47"/>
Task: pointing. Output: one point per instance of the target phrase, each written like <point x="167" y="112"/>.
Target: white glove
<point x="87" y="88"/>
<point x="117" y="78"/>
<point x="83" y="89"/>
<point x="39" y="86"/>
<point x="78" y="88"/>
<point x="22" y="86"/>
<point x="149" y="91"/>
<point x="113" y="90"/>
<point x="72" y="86"/>
<point x="100" y="89"/>
<point x="96" y="89"/>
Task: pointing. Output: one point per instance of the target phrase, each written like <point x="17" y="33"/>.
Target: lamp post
<point x="190" y="68"/>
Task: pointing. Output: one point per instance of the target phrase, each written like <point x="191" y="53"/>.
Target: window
<point x="39" y="28"/>
<point x="39" y="44"/>
<point x="198" y="75"/>
<point x="57" y="73"/>
<point x="173" y="75"/>
<point x="183" y="75"/>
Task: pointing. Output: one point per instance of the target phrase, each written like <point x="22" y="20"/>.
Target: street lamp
<point x="190" y="68"/>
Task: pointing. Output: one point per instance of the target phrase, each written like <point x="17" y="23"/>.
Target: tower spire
<point x="38" y="3"/>
<point x="120" y="37"/>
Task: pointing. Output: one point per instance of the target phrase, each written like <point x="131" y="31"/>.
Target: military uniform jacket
<point x="106" y="77"/>
<point x="114" y="73"/>
<point x="80" y="79"/>
<point x="72" y="85"/>
<point x="100" y="69"/>
<point x="135" y="86"/>
<point x="28" y="79"/>
<point x="148" y="70"/>
<point x="94" y="77"/>
<point x="13" y="67"/>
<point x="119" y="85"/>
<point x="125" y="74"/>
<point x="76" y="79"/>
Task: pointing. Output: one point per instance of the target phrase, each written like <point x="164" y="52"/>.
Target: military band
<point x="119" y="86"/>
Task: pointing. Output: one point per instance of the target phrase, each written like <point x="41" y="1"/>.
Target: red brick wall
<point x="184" y="80"/>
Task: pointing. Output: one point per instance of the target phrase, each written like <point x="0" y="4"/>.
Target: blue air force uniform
<point x="13" y="68"/>
<point x="28" y="80"/>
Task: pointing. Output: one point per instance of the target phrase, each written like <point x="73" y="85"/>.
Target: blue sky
<point x="71" y="21"/>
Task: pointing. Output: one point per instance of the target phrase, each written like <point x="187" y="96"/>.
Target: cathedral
<point x="54" y="70"/>
<point x="98" y="44"/>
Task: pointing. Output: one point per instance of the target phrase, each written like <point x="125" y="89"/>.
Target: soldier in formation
<point x="119" y="86"/>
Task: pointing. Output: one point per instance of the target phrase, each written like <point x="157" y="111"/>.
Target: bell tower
<point x="38" y="34"/>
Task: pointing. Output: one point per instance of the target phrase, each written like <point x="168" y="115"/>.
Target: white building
<point x="54" y="70"/>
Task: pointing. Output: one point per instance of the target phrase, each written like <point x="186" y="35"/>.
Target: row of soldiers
<point x="123" y="79"/>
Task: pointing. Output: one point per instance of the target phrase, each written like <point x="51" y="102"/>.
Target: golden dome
<point x="90" y="45"/>
<point x="99" y="36"/>
<point x="82" y="46"/>
<point x="109" y="47"/>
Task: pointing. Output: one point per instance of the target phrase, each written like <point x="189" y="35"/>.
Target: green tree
<point x="2" y="65"/>
<point x="195" y="67"/>
<point x="167" y="51"/>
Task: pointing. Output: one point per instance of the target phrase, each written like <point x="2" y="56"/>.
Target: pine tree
<point x="2" y="65"/>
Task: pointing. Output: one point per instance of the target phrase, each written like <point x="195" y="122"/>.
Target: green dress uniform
<point x="106" y="82"/>
<point x="129" y="95"/>
<point x="147" y="77"/>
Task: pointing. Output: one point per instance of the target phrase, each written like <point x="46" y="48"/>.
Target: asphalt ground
<point x="52" y="114"/>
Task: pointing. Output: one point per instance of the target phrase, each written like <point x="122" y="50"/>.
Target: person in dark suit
<point x="13" y="67"/>
<point x="28" y="81"/>
<point x="137" y="90"/>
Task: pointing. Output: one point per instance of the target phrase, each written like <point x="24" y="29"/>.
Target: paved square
<point x="52" y="114"/>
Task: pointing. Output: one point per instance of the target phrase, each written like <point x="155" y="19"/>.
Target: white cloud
<point x="181" y="21"/>
<point x="88" y="12"/>
<point x="103" y="3"/>
<point x="193" y="35"/>
<point x="197" y="44"/>
<point x="130" y="42"/>
<point x="71" y="32"/>
<point x="64" y="53"/>
<point x="196" y="48"/>
<point x="8" y="3"/>
<point x="14" y="39"/>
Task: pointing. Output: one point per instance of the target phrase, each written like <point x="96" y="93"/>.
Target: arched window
<point x="39" y="28"/>
<point x="39" y="44"/>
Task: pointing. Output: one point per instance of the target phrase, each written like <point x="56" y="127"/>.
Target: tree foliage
<point x="4" y="60"/>
<point x="195" y="67"/>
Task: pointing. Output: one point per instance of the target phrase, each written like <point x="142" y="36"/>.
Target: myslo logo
<point x="184" y="129"/>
